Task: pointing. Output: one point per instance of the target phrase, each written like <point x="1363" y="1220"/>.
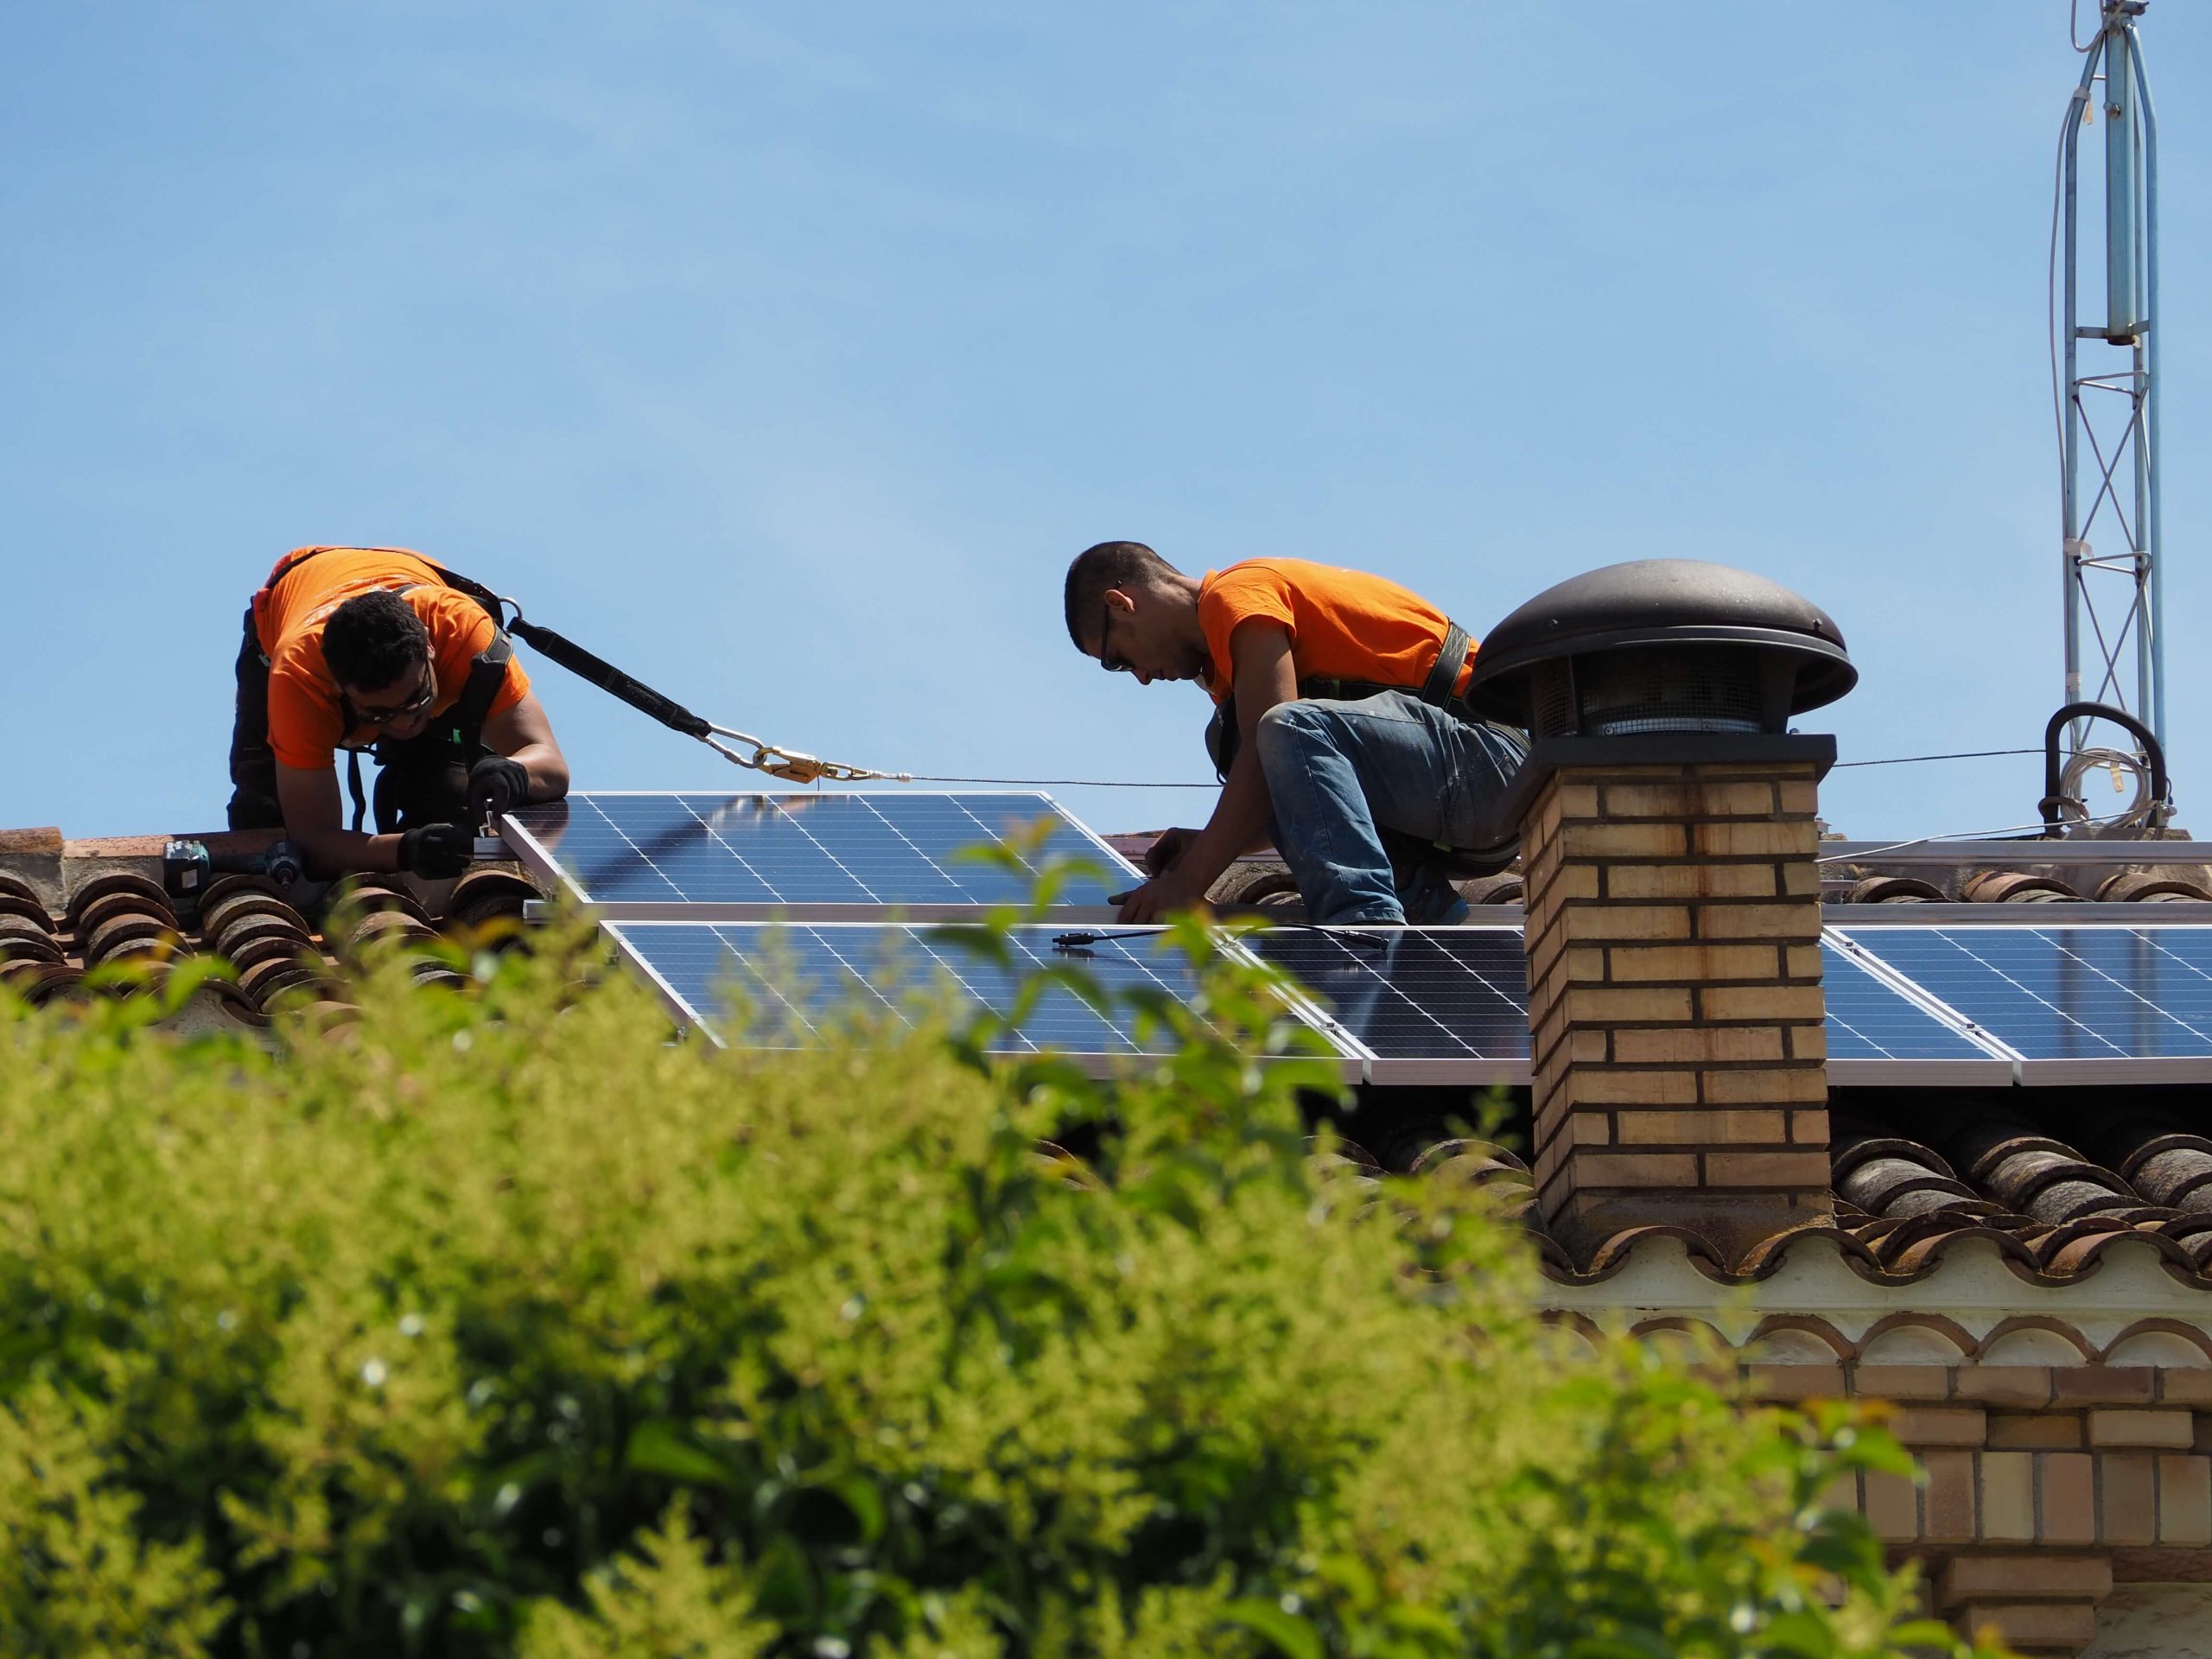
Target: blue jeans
<point x="1341" y="774"/>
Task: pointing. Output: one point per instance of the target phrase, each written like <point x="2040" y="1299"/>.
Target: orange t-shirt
<point x="1344" y="624"/>
<point x="306" y="720"/>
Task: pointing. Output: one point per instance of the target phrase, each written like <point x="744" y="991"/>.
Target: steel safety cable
<point x="1126" y="783"/>
<point x="1862" y="855"/>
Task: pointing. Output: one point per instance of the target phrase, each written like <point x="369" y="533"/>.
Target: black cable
<point x="1909" y="759"/>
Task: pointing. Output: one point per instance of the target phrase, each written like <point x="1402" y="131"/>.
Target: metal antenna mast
<point x="2110" y="417"/>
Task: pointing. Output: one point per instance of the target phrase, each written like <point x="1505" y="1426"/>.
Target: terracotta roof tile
<point x="114" y="916"/>
<point x="1974" y="1172"/>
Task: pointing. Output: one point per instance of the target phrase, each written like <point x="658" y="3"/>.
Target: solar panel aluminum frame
<point x="1348" y="1061"/>
<point x="541" y="863"/>
<point x="2061" y="912"/>
<point x="2032" y="1073"/>
<point x="2071" y="1074"/>
<point x="2087" y="852"/>
<point x="2058" y="912"/>
<point x="1999" y="1067"/>
<point x="801" y="914"/>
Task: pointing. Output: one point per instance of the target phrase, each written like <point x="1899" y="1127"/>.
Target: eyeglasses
<point x="414" y="705"/>
<point x="1107" y="659"/>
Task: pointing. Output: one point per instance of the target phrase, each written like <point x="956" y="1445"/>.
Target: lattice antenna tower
<point x="2113" y="552"/>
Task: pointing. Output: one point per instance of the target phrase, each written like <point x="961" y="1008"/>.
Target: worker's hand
<point x="498" y="782"/>
<point x="1159" y="898"/>
<point x="436" y="850"/>
<point x="1167" y="853"/>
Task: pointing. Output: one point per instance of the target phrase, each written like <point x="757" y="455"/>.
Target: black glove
<point x="498" y="783"/>
<point x="436" y="850"/>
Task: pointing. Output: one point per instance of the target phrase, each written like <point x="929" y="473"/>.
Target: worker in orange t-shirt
<point x="1340" y="726"/>
<point x="362" y="647"/>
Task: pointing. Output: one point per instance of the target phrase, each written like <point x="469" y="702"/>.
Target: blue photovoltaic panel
<point x="794" y="975"/>
<point x="801" y="848"/>
<point x="1435" y="1003"/>
<point x="2101" y="992"/>
<point x="1408" y="994"/>
<point x="1443" y="994"/>
<point x="1870" y="1021"/>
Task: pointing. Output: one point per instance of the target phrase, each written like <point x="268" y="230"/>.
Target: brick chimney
<point x="1667" y="840"/>
<point x="1675" y="1002"/>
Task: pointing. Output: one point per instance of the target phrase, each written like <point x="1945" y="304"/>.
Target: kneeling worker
<point x="1338" y="698"/>
<point x="357" y="646"/>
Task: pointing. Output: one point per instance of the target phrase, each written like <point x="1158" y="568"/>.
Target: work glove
<point x="436" y="850"/>
<point x="498" y="783"/>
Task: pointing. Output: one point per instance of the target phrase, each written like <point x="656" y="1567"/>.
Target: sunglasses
<point x="414" y="705"/>
<point x="1109" y="660"/>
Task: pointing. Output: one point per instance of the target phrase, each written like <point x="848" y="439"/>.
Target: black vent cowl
<point x="1661" y="646"/>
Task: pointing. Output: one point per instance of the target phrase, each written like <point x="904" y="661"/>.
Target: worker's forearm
<point x="333" y="850"/>
<point x="548" y="768"/>
<point x="1239" y="820"/>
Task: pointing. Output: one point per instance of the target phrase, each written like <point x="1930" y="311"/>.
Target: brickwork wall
<point x="2034" y="1477"/>
<point x="1675" y="1000"/>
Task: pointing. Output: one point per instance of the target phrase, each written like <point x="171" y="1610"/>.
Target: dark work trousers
<point x="254" y="766"/>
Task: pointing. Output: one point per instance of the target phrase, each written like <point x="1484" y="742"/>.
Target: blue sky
<point x="786" y="353"/>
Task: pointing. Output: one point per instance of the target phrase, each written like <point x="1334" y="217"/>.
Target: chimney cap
<point x="1664" y="603"/>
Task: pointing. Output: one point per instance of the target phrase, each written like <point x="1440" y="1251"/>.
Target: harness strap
<point x="353" y="785"/>
<point x="1444" y="673"/>
<point x="485" y="676"/>
<point x="475" y="590"/>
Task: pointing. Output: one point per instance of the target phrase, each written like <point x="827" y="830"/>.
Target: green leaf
<point x="1352" y="1576"/>
<point x="1287" y="1633"/>
<point x="1924" y="1633"/>
<point x="663" y="1448"/>
<point x="1805" y="1635"/>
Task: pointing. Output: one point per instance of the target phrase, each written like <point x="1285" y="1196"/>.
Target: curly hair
<point x="1108" y="565"/>
<point x="373" y="639"/>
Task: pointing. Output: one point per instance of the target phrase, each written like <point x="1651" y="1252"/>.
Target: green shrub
<point x="497" y="1323"/>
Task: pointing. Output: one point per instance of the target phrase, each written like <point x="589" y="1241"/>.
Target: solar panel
<point x="2119" y="1002"/>
<point x="1446" y="1005"/>
<point x="1450" y="1005"/>
<point x="641" y="854"/>
<point x="796" y="976"/>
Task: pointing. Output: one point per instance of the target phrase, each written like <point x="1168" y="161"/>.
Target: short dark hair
<point x="1108" y="565"/>
<point x="373" y="639"/>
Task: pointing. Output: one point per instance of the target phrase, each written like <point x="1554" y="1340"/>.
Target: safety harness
<point x="457" y="736"/>
<point x="1224" y="736"/>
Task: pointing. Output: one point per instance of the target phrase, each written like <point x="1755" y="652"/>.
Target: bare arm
<point x="313" y="817"/>
<point x="523" y="733"/>
<point x="1262" y="676"/>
